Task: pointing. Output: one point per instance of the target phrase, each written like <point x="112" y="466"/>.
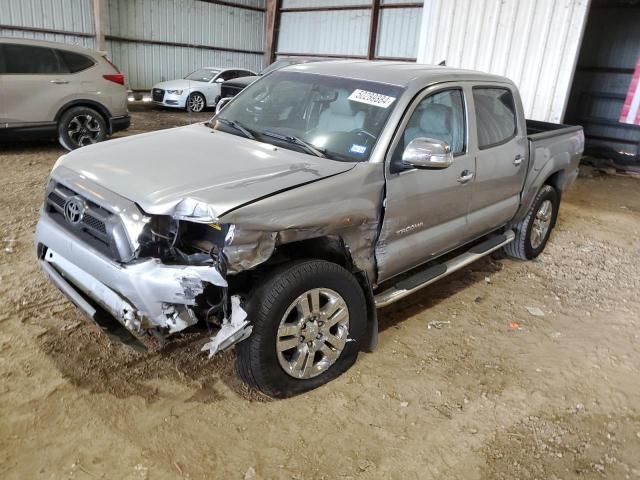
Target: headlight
<point x="176" y="92"/>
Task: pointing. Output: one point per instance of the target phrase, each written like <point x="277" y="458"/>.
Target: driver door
<point x="426" y="210"/>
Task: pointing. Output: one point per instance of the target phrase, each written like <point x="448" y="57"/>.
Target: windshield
<point x="328" y="116"/>
<point x="203" y="75"/>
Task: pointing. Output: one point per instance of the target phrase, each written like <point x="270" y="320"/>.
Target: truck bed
<point x="537" y="130"/>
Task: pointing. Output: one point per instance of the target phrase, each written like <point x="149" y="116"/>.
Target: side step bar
<point x="426" y="277"/>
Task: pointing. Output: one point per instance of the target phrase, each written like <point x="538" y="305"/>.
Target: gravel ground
<point x="504" y="370"/>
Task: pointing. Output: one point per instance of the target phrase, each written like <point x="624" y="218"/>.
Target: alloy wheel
<point x="84" y="129"/>
<point x="312" y="333"/>
<point x="541" y="223"/>
<point x="196" y="103"/>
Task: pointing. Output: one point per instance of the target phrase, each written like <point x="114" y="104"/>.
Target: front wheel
<point x="80" y="126"/>
<point x="309" y="319"/>
<point x="533" y="232"/>
<point x="196" y="102"/>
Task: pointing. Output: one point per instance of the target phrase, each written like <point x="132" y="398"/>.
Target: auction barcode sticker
<point x="371" y="98"/>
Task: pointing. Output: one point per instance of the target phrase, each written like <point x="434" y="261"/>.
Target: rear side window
<point x="27" y="59"/>
<point x="495" y="116"/>
<point x="75" y="62"/>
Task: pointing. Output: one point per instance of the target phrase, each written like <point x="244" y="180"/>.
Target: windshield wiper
<point x="238" y="126"/>
<point x="296" y="141"/>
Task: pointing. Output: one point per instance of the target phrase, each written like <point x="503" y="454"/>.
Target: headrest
<point x="342" y="104"/>
<point x="436" y="118"/>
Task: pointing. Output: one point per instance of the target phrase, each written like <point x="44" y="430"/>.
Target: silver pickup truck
<point x="319" y="194"/>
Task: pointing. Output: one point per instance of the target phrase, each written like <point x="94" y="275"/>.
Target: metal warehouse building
<point x="573" y="60"/>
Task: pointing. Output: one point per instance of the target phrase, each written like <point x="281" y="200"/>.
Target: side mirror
<point x="219" y="80"/>
<point x="222" y="103"/>
<point x="425" y="152"/>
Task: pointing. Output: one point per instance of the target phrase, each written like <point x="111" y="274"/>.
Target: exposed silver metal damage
<point x="233" y="330"/>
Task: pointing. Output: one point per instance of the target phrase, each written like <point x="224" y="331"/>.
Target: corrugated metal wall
<point x="346" y="32"/>
<point x="534" y="42"/>
<point x="137" y="29"/>
<point x="181" y="21"/>
<point x="398" y="31"/>
<point x="63" y="15"/>
<point x="338" y="32"/>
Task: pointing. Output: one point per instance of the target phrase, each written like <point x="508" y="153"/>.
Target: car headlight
<point x="176" y="92"/>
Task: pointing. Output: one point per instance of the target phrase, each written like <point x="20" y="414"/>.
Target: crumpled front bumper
<point x="141" y="295"/>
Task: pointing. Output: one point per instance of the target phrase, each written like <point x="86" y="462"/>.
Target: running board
<point x="426" y="277"/>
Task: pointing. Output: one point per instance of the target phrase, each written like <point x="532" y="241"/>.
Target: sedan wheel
<point x="195" y="103"/>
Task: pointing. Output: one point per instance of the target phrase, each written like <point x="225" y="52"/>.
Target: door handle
<point x="59" y="82"/>
<point x="465" y="176"/>
<point x="518" y="160"/>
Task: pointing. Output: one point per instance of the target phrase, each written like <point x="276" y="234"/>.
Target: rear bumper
<point x="120" y="123"/>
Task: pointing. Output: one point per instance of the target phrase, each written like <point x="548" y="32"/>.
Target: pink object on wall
<point x="631" y="109"/>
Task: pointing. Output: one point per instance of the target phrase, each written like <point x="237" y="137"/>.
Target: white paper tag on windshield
<point x="371" y="98"/>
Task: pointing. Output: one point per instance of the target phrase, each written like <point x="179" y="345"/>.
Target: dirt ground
<point x="466" y="383"/>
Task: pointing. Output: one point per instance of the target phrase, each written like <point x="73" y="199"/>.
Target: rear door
<point x="426" y="210"/>
<point x="33" y="82"/>
<point x="500" y="157"/>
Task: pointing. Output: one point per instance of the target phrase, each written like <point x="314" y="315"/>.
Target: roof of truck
<point x="395" y="73"/>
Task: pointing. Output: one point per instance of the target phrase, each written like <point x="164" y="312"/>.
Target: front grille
<point x="157" y="94"/>
<point x="96" y="222"/>
<point x="93" y="222"/>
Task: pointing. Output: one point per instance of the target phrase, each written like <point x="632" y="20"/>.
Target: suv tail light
<point x="115" y="77"/>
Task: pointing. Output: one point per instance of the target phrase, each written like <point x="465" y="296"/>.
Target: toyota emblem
<point x="74" y="210"/>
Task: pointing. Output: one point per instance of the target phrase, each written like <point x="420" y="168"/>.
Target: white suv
<point x="58" y="90"/>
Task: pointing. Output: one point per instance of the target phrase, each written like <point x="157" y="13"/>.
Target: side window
<point x="439" y="116"/>
<point x="229" y="75"/>
<point x="75" y="62"/>
<point x="495" y="116"/>
<point x="27" y="59"/>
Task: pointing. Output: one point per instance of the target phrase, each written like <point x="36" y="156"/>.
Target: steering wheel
<point x="365" y="132"/>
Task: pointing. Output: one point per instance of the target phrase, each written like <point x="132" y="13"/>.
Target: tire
<point x="196" y="102"/>
<point x="81" y="126"/>
<point x="262" y="366"/>
<point x="528" y="244"/>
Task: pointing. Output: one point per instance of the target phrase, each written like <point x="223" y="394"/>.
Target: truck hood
<point x="190" y="167"/>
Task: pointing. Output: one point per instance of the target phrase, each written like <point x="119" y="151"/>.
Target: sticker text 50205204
<point x="371" y="98"/>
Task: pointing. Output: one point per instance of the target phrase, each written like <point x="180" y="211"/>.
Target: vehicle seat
<point x="434" y="122"/>
<point x="340" y="115"/>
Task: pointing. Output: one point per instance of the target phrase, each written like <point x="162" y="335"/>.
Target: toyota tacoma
<point x="321" y="193"/>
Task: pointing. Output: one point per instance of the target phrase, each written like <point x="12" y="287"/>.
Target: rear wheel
<point x="196" y="102"/>
<point x="533" y="232"/>
<point x="308" y="321"/>
<point x="81" y="126"/>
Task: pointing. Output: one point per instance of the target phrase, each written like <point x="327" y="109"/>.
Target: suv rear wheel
<point x="309" y="319"/>
<point x="81" y="126"/>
